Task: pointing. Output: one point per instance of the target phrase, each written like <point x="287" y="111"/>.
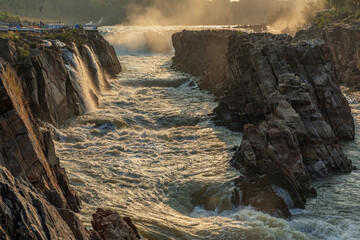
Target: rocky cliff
<point x="45" y="81"/>
<point x="344" y="44"/>
<point x="286" y="99"/>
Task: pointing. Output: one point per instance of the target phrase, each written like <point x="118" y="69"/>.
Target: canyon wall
<point x="45" y="81"/>
<point x="344" y="44"/>
<point x="286" y="99"/>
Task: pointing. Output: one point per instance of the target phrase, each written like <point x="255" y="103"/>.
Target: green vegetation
<point x="10" y="35"/>
<point x="24" y="52"/>
<point x="69" y="11"/>
<point x="339" y="11"/>
<point x="22" y="46"/>
<point x="66" y="37"/>
<point x="7" y="17"/>
<point x="353" y="4"/>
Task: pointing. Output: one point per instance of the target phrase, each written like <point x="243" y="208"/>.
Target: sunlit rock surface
<point x="290" y="93"/>
<point x="26" y="214"/>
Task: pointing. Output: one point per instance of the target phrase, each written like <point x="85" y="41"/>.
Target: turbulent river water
<point x="151" y="152"/>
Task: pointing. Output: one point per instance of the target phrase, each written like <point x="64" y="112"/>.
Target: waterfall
<point x="141" y="41"/>
<point x="99" y="75"/>
<point x="81" y="77"/>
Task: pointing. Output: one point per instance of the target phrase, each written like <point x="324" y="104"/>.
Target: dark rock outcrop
<point x="111" y="226"/>
<point x="26" y="214"/>
<point x="344" y="44"/>
<point x="206" y="58"/>
<point x="286" y="99"/>
<point x="27" y="149"/>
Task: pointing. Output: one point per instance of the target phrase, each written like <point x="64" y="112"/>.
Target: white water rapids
<point x="151" y="152"/>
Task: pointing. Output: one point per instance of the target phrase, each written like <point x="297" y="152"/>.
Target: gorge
<point x="143" y="142"/>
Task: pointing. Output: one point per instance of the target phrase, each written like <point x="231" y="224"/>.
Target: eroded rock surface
<point x="286" y="99"/>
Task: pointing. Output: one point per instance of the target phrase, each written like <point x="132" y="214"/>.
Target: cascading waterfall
<point x="100" y="80"/>
<point x="81" y="77"/>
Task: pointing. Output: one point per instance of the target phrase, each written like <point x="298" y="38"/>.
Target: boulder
<point x="111" y="226"/>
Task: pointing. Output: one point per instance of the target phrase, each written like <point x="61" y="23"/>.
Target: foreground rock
<point x="286" y="99"/>
<point x="111" y="226"/>
<point x="26" y="214"/>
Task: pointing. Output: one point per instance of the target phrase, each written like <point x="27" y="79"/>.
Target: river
<point x="151" y="152"/>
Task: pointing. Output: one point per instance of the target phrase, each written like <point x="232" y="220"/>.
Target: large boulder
<point x="111" y="226"/>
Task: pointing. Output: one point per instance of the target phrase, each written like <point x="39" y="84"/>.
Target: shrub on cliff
<point x="7" y="17"/>
<point x="354" y="4"/>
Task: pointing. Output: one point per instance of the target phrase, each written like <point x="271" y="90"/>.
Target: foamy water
<point x="152" y="153"/>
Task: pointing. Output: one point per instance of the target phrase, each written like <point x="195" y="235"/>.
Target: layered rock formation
<point x="42" y="82"/>
<point x="286" y="99"/>
<point x="26" y="214"/>
<point x="344" y="44"/>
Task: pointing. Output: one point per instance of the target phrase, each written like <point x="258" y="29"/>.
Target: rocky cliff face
<point x="206" y="58"/>
<point x="344" y="44"/>
<point x="42" y="82"/>
<point x="286" y="99"/>
<point x="61" y="79"/>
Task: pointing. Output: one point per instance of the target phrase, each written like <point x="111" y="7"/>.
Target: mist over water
<point x="151" y="152"/>
<point x="279" y="14"/>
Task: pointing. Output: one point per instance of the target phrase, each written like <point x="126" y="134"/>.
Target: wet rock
<point x="285" y="97"/>
<point x="106" y="54"/>
<point x="259" y="193"/>
<point x="132" y="225"/>
<point x="49" y="85"/>
<point x="111" y="226"/>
